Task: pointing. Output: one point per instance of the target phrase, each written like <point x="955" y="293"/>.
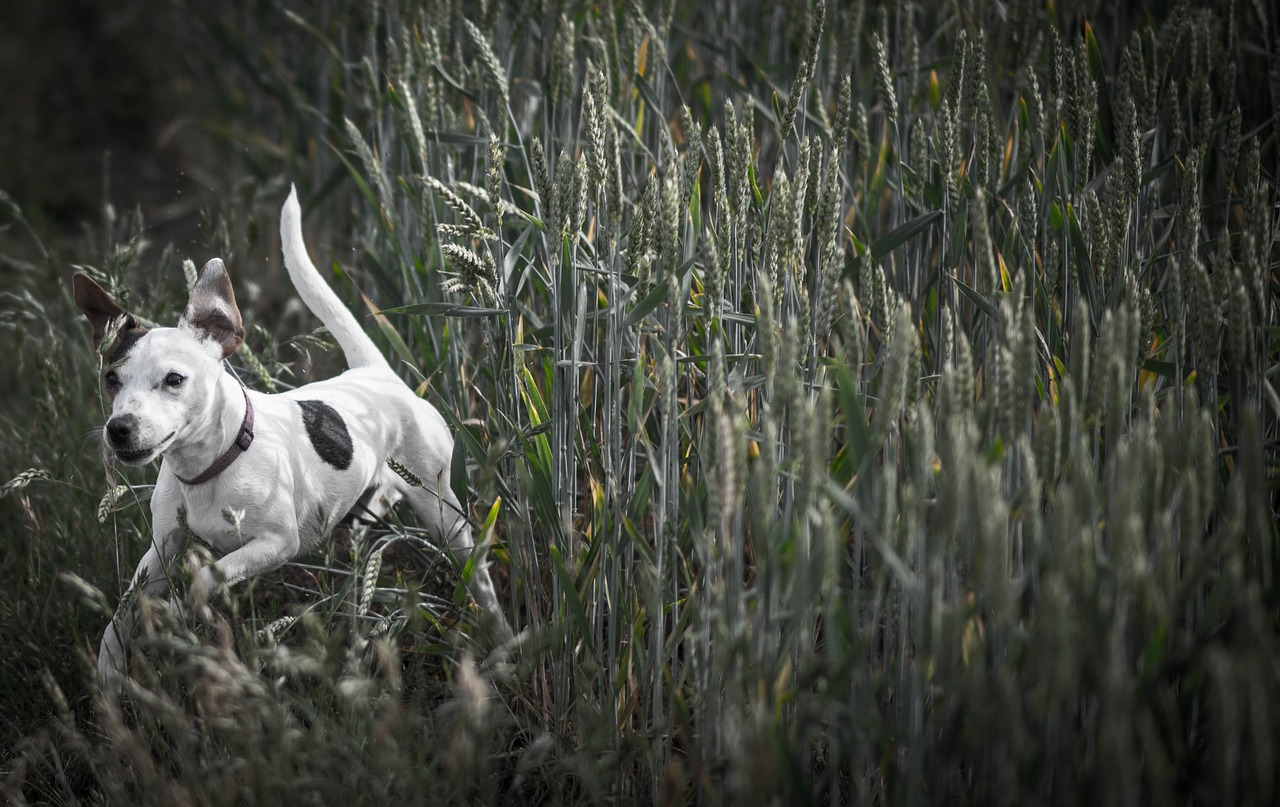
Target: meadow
<point x="860" y="403"/>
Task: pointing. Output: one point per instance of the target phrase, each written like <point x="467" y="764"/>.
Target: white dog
<point x="294" y="464"/>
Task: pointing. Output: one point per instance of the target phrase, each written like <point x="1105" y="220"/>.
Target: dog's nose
<point x="120" y="430"/>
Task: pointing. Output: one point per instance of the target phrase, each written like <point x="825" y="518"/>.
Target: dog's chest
<point x="312" y="458"/>
<point x="302" y="501"/>
<point x="227" y="524"/>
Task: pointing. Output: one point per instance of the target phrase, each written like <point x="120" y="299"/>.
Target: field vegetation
<point x="861" y="403"/>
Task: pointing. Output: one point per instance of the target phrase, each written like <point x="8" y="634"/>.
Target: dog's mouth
<point x="142" y="455"/>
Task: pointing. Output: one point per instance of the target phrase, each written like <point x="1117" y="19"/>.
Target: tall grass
<point x="855" y="416"/>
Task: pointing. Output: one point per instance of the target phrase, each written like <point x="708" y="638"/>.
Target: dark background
<point x="99" y="105"/>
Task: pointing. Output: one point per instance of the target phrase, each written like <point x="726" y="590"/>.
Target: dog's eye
<point x="174" y="380"/>
<point x="111" y="379"/>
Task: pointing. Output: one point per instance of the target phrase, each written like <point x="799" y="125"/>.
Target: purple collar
<point x="241" y="444"/>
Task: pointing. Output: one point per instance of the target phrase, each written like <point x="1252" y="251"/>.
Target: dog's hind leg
<point x="446" y="520"/>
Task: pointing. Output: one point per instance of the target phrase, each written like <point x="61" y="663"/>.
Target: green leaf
<point x="454" y="138"/>
<point x="445" y="310"/>
<point x="361" y="185"/>
<point x="903" y="233"/>
<point x="1098" y="70"/>
<point x="1155" y="652"/>
<point x="458" y="472"/>
<point x="853" y="405"/>
<point x="981" y="301"/>
<point x="646" y="92"/>
<point x="1084" y="266"/>
<point x="569" y="588"/>
<point x="537" y="409"/>
<point x="1164" y="369"/>
<point x="651" y="301"/>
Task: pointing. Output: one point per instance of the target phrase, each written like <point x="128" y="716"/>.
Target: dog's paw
<point x="111" y="663"/>
<point x="110" y="683"/>
<point x="179" y="610"/>
<point x="203" y="585"/>
<point x="207" y="585"/>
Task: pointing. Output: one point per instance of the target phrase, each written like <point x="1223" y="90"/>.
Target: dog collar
<point x="240" y="445"/>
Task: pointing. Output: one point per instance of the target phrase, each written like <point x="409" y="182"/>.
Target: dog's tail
<point x="356" y="345"/>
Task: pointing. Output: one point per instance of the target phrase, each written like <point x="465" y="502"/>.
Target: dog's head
<point x="160" y="380"/>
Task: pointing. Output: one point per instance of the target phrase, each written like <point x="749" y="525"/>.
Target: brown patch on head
<point x="124" y="342"/>
<point x="212" y="308"/>
<point x="103" y="312"/>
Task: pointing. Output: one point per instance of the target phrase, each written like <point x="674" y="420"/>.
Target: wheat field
<point x="861" y="404"/>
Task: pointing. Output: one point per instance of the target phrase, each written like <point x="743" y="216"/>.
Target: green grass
<point x="863" y="406"/>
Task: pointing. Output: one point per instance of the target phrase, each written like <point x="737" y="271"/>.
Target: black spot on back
<point x="124" y="343"/>
<point x="327" y="432"/>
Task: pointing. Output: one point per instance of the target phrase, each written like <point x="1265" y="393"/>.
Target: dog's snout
<point x="120" y="430"/>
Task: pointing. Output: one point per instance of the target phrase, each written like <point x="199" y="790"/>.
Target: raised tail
<point x="356" y="345"/>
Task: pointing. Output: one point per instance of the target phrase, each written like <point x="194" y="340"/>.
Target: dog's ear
<point x="212" y="312"/>
<point x="98" y="307"/>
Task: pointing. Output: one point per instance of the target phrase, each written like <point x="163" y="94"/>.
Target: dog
<point x="290" y="466"/>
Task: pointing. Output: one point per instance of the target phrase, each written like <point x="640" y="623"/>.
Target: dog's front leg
<point x="264" y="552"/>
<point x="151" y="580"/>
